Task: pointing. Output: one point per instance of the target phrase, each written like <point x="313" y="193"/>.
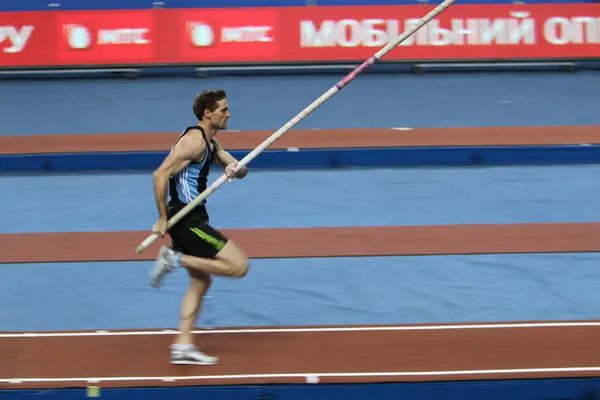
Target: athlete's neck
<point x="209" y="130"/>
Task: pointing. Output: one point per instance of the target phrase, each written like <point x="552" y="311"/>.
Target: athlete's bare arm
<point x="226" y="160"/>
<point x="186" y="150"/>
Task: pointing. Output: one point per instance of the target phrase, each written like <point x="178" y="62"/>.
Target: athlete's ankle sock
<point x="178" y="260"/>
<point x="182" y="347"/>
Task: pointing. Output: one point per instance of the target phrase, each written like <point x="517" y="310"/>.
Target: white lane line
<point x="516" y="325"/>
<point x="304" y="375"/>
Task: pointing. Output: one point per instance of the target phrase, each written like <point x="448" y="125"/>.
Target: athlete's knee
<point x="238" y="268"/>
<point x="243" y="268"/>
<point x="236" y="260"/>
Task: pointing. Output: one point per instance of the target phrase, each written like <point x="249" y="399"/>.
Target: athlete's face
<point x="219" y="117"/>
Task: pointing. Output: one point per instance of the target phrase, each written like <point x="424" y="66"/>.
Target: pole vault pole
<point x="299" y="117"/>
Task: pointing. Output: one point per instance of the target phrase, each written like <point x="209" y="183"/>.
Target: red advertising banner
<point x="25" y="39"/>
<point x="461" y="32"/>
<point x="227" y="35"/>
<point x="105" y="37"/>
<point x="288" y="34"/>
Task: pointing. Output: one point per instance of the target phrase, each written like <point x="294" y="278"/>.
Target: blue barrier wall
<point x="37" y="5"/>
<point x="490" y="390"/>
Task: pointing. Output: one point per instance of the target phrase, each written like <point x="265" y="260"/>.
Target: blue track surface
<point x="372" y="290"/>
<point x="312" y="291"/>
<point x="369" y="197"/>
<point x="341" y="290"/>
<point x="373" y="101"/>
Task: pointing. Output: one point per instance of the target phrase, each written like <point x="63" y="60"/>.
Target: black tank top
<point x="186" y="185"/>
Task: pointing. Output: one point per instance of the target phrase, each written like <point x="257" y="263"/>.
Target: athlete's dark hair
<point x="207" y="100"/>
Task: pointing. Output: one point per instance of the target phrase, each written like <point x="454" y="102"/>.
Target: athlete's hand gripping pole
<point x="317" y="103"/>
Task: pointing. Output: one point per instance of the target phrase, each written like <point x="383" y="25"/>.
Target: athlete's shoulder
<point x="191" y="137"/>
<point x="191" y="145"/>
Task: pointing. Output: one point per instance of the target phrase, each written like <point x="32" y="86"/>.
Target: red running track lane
<point x="301" y="355"/>
<point x="309" y="139"/>
<point x="308" y="242"/>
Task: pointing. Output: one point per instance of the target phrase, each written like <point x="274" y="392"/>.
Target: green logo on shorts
<point x="216" y="243"/>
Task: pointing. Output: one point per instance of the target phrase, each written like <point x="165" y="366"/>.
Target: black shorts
<point x="193" y="235"/>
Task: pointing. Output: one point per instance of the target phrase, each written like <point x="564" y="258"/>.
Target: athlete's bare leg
<point x="183" y="349"/>
<point x="230" y="262"/>
<point x="191" y="305"/>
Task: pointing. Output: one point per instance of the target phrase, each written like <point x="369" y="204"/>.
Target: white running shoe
<point x="192" y="356"/>
<point x="165" y="263"/>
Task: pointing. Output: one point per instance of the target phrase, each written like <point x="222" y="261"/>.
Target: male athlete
<point x="196" y="246"/>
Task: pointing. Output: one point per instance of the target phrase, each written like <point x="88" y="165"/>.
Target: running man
<point x="196" y="245"/>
